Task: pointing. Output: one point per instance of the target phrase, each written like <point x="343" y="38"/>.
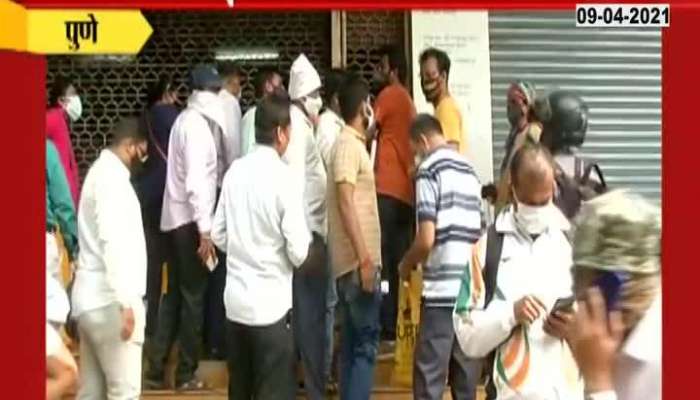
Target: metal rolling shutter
<point x="616" y="70"/>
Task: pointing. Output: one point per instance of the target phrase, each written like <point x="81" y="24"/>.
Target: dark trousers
<point x="215" y="313"/>
<point x="309" y="291"/>
<point x="261" y="361"/>
<point x="396" y="220"/>
<point x="438" y="359"/>
<point x="181" y="311"/>
<point x="157" y="253"/>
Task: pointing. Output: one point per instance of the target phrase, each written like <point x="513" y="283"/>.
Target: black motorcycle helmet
<point x="565" y="123"/>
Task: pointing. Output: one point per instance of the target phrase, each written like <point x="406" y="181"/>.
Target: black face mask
<point x="431" y="89"/>
<point x="514" y="116"/>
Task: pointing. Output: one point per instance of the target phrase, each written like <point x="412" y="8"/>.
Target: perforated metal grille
<point x="112" y="89"/>
<point x="366" y="33"/>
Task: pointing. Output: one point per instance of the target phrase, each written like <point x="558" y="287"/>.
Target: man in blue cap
<point x="194" y="169"/>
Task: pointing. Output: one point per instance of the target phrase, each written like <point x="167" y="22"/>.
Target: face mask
<point x="514" y="116"/>
<point x="430" y="89"/>
<point x="533" y="219"/>
<point x="73" y="107"/>
<point x="313" y="106"/>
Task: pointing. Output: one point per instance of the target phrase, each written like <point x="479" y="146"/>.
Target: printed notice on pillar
<point x="464" y="36"/>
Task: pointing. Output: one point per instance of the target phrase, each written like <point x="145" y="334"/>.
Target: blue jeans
<point x="331" y="303"/>
<point x="310" y="283"/>
<point x="360" y="337"/>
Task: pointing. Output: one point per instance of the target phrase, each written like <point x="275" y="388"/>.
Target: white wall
<point x="464" y="35"/>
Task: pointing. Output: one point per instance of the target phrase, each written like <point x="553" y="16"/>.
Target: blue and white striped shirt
<point x="448" y="192"/>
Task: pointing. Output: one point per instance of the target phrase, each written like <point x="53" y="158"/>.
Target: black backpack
<point x="494" y="247"/>
<point x="572" y="191"/>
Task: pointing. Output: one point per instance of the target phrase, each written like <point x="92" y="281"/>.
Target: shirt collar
<point x="267" y="151"/>
<point x="115" y="162"/>
<point x="357" y="135"/>
<point x="644" y="342"/>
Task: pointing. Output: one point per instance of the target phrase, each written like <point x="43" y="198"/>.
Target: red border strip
<point x="280" y="5"/>
<point x="23" y="295"/>
<point x="22" y="106"/>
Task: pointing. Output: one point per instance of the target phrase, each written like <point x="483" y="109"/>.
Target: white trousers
<point x="110" y="368"/>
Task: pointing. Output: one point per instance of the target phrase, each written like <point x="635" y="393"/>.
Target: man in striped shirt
<point x="450" y="222"/>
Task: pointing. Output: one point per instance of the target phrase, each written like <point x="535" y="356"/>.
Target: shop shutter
<point x="617" y="71"/>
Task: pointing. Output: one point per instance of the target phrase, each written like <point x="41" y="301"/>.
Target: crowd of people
<point x="321" y="199"/>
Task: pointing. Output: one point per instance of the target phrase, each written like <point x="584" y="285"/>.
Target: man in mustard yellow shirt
<point x="434" y="76"/>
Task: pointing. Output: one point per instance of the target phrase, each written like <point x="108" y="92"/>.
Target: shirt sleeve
<point x="218" y="227"/>
<point x="295" y="155"/>
<point x="479" y="330"/>
<point x="248" y="131"/>
<point x="232" y="134"/>
<point x="325" y="134"/>
<point x="294" y="228"/>
<point x="451" y="124"/>
<point x="112" y="230"/>
<point x="426" y="196"/>
<point x="60" y="199"/>
<point x="200" y="145"/>
<point x="346" y="164"/>
<point x="315" y="182"/>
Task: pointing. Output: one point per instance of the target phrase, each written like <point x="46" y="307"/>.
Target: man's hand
<point x="528" y="309"/>
<point x="595" y="339"/>
<point x="315" y="263"/>
<point x="367" y="275"/>
<point x="206" y="248"/>
<point x="559" y="324"/>
<point x="127" y="323"/>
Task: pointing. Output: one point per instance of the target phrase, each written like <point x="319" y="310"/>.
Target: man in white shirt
<point x="110" y="281"/>
<point x="330" y="124"/>
<point x="308" y="172"/>
<point x="188" y="209"/>
<point x="531" y="275"/>
<point x="267" y="82"/>
<point x="230" y="93"/>
<point x="260" y="224"/>
<point x="215" y="316"/>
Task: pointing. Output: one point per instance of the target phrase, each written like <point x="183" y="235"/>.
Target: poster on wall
<point x="464" y="36"/>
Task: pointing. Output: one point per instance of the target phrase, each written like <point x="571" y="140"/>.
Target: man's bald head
<point x="532" y="174"/>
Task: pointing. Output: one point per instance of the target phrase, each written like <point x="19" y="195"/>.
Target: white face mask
<point x="313" y="106"/>
<point x="73" y="107"/>
<point x="533" y="219"/>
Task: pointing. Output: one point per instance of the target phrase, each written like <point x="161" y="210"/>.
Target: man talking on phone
<point x="526" y="281"/>
<point x="355" y="241"/>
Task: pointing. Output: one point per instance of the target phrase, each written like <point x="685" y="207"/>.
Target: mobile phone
<point x="610" y="284"/>
<point x="564" y="304"/>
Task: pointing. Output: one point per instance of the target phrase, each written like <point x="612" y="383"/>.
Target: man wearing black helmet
<point x="564" y="131"/>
